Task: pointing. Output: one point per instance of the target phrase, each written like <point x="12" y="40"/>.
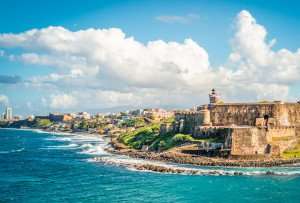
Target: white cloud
<point x="4" y="100"/>
<point x="256" y="59"/>
<point x="109" y="54"/>
<point x="177" y="19"/>
<point x="102" y="68"/>
<point x="63" y="101"/>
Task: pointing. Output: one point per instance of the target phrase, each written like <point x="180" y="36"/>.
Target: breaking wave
<point x="95" y="147"/>
<point x="155" y="166"/>
<point x="69" y="146"/>
<point x="82" y="143"/>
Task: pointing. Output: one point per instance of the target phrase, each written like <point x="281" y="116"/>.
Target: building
<point x="83" y="115"/>
<point x="30" y="117"/>
<point x="247" y="129"/>
<point x="17" y="118"/>
<point x="137" y="112"/>
<point x="157" y="114"/>
<point x="57" y="117"/>
<point x="8" y="114"/>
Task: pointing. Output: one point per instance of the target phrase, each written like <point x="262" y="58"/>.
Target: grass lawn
<point x="293" y="153"/>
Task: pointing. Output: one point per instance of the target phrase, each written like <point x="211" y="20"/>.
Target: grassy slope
<point x="149" y="135"/>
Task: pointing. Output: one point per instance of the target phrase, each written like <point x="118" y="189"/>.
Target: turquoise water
<point x="41" y="167"/>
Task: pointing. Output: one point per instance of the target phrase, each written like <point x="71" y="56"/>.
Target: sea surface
<point x="44" y="167"/>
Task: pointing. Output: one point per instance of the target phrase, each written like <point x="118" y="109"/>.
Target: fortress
<point x="245" y="129"/>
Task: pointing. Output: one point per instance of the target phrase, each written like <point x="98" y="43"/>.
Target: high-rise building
<point x="8" y="115"/>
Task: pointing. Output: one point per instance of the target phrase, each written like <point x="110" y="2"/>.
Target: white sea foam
<point x="12" y="151"/>
<point x="94" y="150"/>
<point x="59" y="139"/>
<point x="86" y="146"/>
<point x="83" y="143"/>
<point x="134" y="164"/>
<point x="95" y="146"/>
<point x="68" y="146"/>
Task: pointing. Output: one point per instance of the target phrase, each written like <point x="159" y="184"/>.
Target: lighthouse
<point x="214" y="97"/>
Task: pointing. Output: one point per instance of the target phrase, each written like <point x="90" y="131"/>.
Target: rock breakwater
<point x="181" y="158"/>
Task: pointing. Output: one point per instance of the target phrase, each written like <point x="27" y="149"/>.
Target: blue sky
<point x="211" y="24"/>
<point x="137" y="18"/>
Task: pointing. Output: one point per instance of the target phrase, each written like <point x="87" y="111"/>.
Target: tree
<point x="83" y="125"/>
<point x="42" y="123"/>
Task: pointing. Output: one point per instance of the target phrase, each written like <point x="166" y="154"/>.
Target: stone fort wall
<point x="189" y="119"/>
<point x="287" y="114"/>
<point x="255" y="141"/>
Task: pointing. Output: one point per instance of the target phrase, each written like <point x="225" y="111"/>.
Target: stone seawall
<point x="260" y="141"/>
<point x="177" y="157"/>
<point x="204" y="161"/>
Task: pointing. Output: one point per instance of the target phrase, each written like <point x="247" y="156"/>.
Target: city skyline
<point x="99" y="56"/>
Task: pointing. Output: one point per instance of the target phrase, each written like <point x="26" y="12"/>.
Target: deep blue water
<point x="41" y="167"/>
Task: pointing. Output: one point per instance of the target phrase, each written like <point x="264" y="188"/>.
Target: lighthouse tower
<point x="214" y="97"/>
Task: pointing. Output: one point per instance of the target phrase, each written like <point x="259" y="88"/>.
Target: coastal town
<point x="84" y="122"/>
<point x="149" y="101"/>
<point x="266" y="130"/>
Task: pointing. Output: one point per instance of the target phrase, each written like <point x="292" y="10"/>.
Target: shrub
<point x="142" y="136"/>
<point x="42" y="123"/>
<point x="162" y="144"/>
<point x="182" y="138"/>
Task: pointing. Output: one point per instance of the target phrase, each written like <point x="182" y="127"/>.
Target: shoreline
<point x="180" y="158"/>
<point x="176" y="157"/>
<point x="40" y="130"/>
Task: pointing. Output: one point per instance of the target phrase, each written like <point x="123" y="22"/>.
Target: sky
<point x="99" y="56"/>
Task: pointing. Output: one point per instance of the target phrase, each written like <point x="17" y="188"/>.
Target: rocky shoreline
<point x="180" y="158"/>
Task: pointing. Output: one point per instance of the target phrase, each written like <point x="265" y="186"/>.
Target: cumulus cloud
<point x="105" y="68"/>
<point x="4" y="99"/>
<point x="254" y="57"/>
<point x="63" y="101"/>
<point x="177" y="19"/>
<point x="109" y="54"/>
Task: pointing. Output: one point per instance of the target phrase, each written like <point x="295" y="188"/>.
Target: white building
<point x="83" y="115"/>
<point x="8" y="115"/>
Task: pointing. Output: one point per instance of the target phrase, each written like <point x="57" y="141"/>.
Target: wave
<point x="69" y="146"/>
<point x="41" y="131"/>
<point x="95" y="147"/>
<point x="58" y="139"/>
<point x="94" y="150"/>
<point x="85" y="143"/>
<point x="154" y="166"/>
<point x="12" y="151"/>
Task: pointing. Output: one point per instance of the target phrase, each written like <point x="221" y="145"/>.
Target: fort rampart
<point x="255" y="129"/>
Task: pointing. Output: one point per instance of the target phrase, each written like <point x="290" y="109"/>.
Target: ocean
<point x="45" y="167"/>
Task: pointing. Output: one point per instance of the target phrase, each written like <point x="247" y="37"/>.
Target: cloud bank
<point x="104" y="68"/>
